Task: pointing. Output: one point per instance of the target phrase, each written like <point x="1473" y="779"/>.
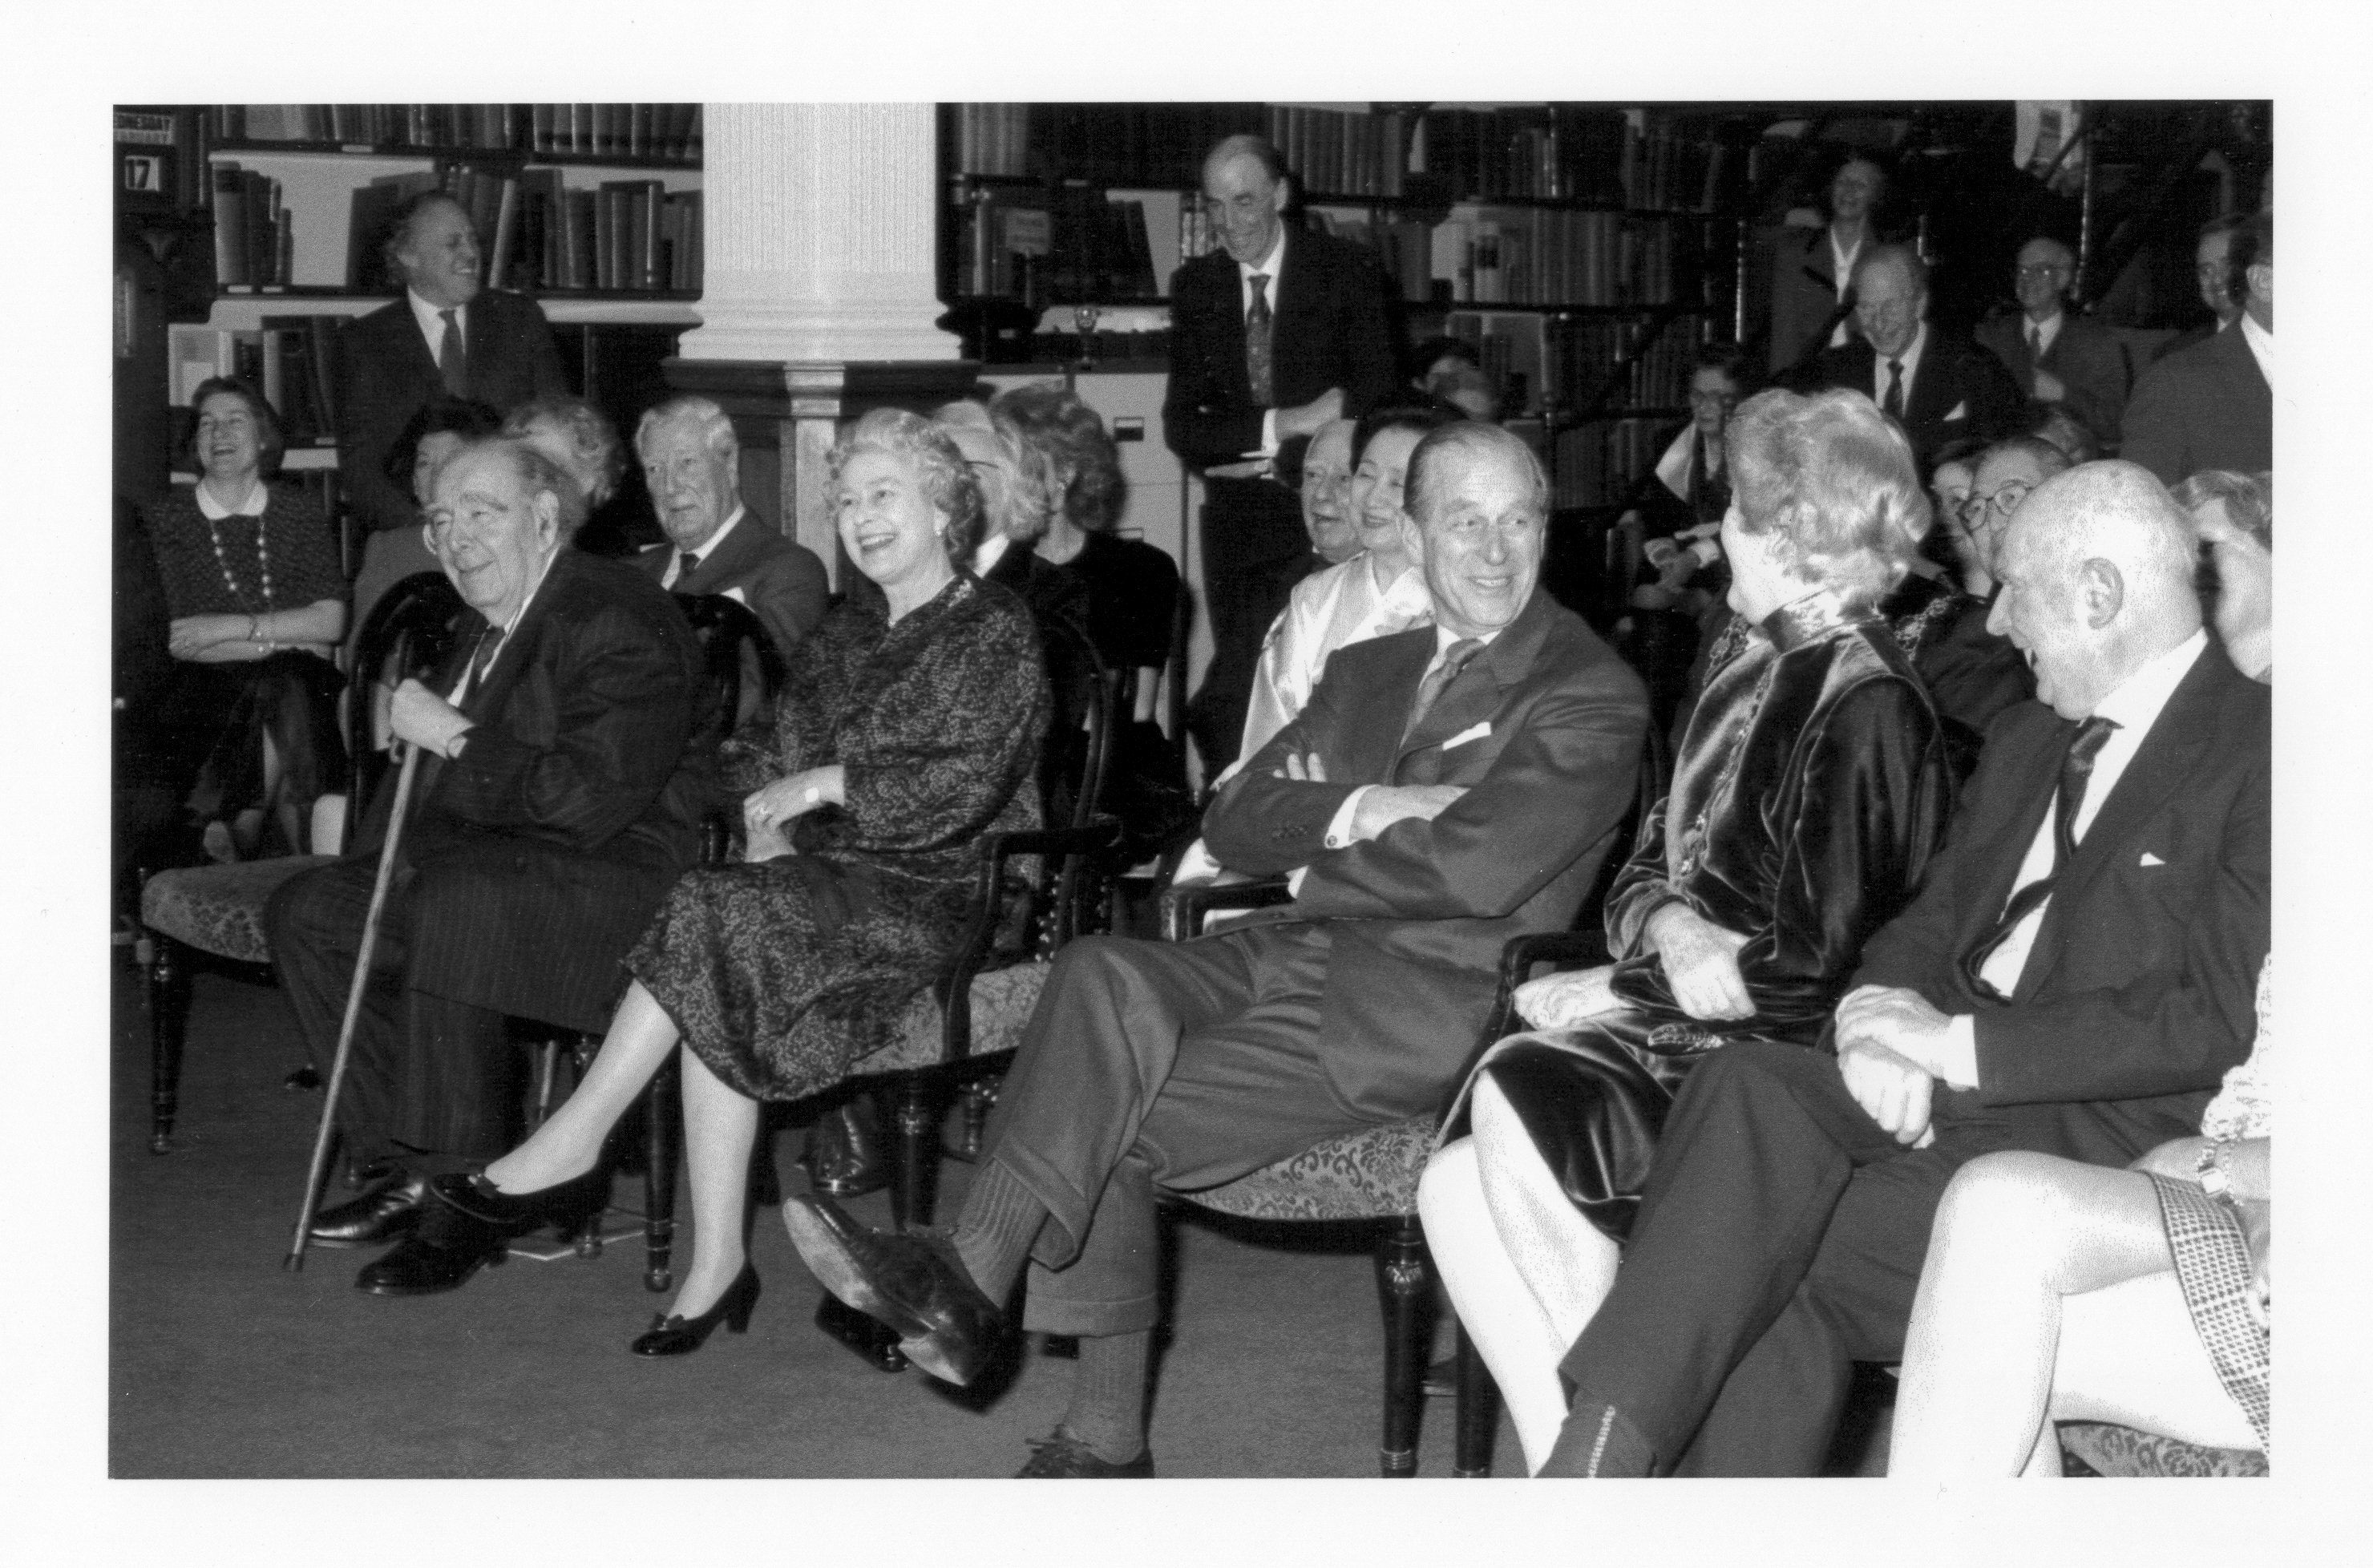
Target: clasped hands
<point x="1700" y="960"/>
<point x="1383" y="805"/>
<point x="1890" y="1055"/>
<point x="767" y="808"/>
<point x="425" y="719"/>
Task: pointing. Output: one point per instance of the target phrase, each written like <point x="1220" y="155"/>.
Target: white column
<point x="818" y="226"/>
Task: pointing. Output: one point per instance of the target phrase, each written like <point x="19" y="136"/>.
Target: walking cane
<point x="296" y="1258"/>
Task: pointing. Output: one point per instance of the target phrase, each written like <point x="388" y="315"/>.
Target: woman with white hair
<point x="1809" y="794"/>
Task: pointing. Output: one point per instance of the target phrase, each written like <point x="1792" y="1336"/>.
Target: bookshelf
<point x="265" y="220"/>
<point x="1588" y="250"/>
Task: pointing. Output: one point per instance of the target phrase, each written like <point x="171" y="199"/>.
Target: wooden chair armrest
<point x="1566" y="949"/>
<point x="1183" y="908"/>
<point x="997" y="850"/>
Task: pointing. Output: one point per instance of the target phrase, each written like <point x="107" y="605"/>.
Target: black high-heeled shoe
<point x="670" y="1335"/>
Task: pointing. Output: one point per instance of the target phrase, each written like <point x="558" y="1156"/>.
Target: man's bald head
<point x="2097" y="573"/>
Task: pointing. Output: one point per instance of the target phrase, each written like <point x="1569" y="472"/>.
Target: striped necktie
<point x="1258" y="325"/>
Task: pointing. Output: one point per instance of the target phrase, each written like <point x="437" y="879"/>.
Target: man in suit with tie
<point x="2213" y="405"/>
<point x="1447" y="789"/>
<point x="1272" y="335"/>
<point x="1937" y="386"/>
<point x="556" y="800"/>
<point x="1812" y="269"/>
<point x="2075" y="978"/>
<point x="2054" y="357"/>
<point x="693" y="464"/>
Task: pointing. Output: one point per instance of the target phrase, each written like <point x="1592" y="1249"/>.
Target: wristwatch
<point x="2210" y="1168"/>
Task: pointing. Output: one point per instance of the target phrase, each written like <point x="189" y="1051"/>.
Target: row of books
<point x="535" y="233"/>
<point x="1532" y="359"/>
<point x="668" y="131"/>
<point x="1552" y="256"/>
<point x="992" y="139"/>
<point x="1049" y="246"/>
<point x="1336" y="152"/>
<point x="1404" y="245"/>
<point x="1157" y="146"/>
<point x="292" y="361"/>
<point x="254" y="236"/>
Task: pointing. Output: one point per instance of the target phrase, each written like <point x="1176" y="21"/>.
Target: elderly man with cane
<point x="554" y="801"/>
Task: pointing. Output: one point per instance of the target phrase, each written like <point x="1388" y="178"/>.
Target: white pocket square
<point x="738" y="596"/>
<point x="2151" y="859"/>
<point x="1472" y="732"/>
<point x="1960" y="411"/>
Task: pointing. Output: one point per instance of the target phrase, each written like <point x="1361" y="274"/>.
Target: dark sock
<point x="1107" y="1411"/>
<point x="1002" y="1219"/>
<point x="1596" y="1441"/>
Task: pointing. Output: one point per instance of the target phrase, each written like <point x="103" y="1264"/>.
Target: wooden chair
<point x="215" y="914"/>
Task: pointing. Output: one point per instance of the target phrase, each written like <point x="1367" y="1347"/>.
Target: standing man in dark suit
<point x="692" y="463"/>
<point x="554" y="803"/>
<point x="1935" y="386"/>
<point x="1271" y="336"/>
<point x="448" y="334"/>
<point x="1447" y="789"/>
<point x="2075" y="978"/>
<point x="2054" y="357"/>
<point x="2213" y="405"/>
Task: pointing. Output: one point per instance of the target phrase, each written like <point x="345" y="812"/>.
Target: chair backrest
<point x="410" y="631"/>
<point x="1073" y="763"/>
<point x="740" y="673"/>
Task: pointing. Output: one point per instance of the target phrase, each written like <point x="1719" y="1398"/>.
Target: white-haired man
<point x="692" y="461"/>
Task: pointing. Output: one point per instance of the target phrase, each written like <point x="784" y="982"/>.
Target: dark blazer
<point x="389" y="376"/>
<point x="1959" y="390"/>
<point x="576" y="800"/>
<point x="1804" y="294"/>
<point x="1416" y="917"/>
<point x="2206" y="407"/>
<point x="780" y="581"/>
<point x="2085" y="355"/>
<point x="1330" y="331"/>
<point x="2140" y="989"/>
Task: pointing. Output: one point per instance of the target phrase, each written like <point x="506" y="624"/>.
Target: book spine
<point x="231" y="225"/>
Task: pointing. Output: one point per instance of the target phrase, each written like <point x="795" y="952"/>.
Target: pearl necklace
<point x="262" y="562"/>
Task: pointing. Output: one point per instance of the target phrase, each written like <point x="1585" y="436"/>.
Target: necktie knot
<point x="1454" y="659"/>
<point x="686" y="563"/>
<point x="1893" y="408"/>
<point x="2091" y="736"/>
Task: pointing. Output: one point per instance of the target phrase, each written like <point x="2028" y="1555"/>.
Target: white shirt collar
<point x="1443" y="637"/>
<point x="987" y="553"/>
<point x="2261" y="344"/>
<point x="1911" y="361"/>
<point x="214" y="511"/>
<point x="431" y="322"/>
<point x="2046" y="331"/>
<point x="718" y="538"/>
<point x="1842" y="259"/>
<point x="2136" y="702"/>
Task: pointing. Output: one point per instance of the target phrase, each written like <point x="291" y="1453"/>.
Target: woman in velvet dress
<point x="907" y="728"/>
<point x="1808" y="796"/>
<point x="250" y="578"/>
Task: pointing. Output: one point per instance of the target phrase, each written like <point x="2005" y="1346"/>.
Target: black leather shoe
<point x="675" y="1336"/>
<point x="913" y="1281"/>
<point x="843" y="1154"/>
<point x="1065" y="1457"/>
<point x="423" y="1267"/>
<point x="516" y="1213"/>
<point x="387" y="1212"/>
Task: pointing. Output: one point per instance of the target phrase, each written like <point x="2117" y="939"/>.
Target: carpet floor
<point x="221" y="1365"/>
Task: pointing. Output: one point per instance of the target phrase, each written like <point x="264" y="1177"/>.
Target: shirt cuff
<point x="1338" y="828"/>
<point x="1294" y="881"/>
<point x="1956" y="1058"/>
<point x="1269" y="433"/>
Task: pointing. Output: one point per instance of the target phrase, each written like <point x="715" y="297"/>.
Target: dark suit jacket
<point x="2139" y="992"/>
<point x="388" y="375"/>
<point x="575" y="802"/>
<point x="781" y="581"/>
<point x="1330" y="331"/>
<point x="1804" y="294"/>
<point x="2206" y="407"/>
<point x="1959" y="390"/>
<point x="1416" y="917"/>
<point x="2085" y="355"/>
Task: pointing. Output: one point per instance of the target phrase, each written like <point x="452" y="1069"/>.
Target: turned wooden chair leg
<point x="169" y="1017"/>
<point x="1478" y="1411"/>
<point x="914" y="1185"/>
<point x="1404" y="1289"/>
<point x="663" y="1148"/>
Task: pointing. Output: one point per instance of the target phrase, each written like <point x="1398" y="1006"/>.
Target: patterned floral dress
<point x="783" y="973"/>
